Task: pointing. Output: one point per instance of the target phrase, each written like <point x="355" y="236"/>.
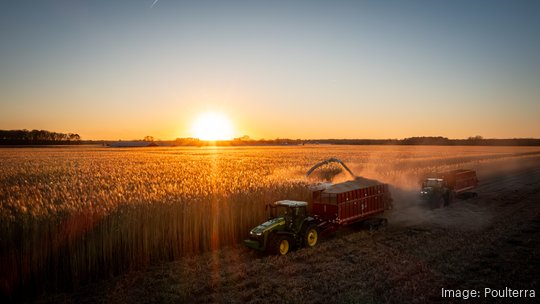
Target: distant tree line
<point x="436" y="141"/>
<point x="37" y="137"/>
<point x="240" y="141"/>
<point x="424" y="140"/>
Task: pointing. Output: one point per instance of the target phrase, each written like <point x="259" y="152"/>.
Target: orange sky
<point x="124" y="70"/>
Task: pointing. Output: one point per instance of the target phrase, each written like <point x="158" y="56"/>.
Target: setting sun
<point x="212" y="126"/>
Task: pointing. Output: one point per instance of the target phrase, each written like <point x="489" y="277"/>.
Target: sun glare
<point x="212" y="126"/>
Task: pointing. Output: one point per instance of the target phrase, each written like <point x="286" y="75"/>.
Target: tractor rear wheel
<point x="280" y="244"/>
<point x="437" y="202"/>
<point x="311" y="236"/>
<point x="448" y="197"/>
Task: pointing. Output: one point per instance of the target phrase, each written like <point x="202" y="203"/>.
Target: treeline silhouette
<point x="440" y="141"/>
<point x="37" y="137"/>
<point x="423" y="140"/>
<point x="43" y="137"/>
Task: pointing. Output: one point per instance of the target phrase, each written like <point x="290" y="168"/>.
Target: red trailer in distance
<point x="460" y="180"/>
<point x="441" y="189"/>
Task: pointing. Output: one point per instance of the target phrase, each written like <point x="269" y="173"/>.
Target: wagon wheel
<point x="374" y="224"/>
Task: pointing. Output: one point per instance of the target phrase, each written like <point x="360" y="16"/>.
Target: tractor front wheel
<point x="280" y="244"/>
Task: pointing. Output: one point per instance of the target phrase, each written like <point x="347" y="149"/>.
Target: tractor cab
<point x="433" y="182"/>
<point x="293" y="212"/>
<point x="431" y="186"/>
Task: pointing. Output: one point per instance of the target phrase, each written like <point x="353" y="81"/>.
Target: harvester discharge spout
<point x="330" y="160"/>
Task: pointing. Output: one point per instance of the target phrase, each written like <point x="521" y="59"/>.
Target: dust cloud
<point x="405" y="183"/>
<point x="409" y="210"/>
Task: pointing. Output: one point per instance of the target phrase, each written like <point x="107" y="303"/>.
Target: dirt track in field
<point x="492" y="241"/>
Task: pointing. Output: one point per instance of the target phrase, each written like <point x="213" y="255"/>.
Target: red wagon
<point x="460" y="180"/>
<point x="350" y="202"/>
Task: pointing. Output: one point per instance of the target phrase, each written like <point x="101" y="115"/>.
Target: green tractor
<point x="436" y="193"/>
<point x="289" y="226"/>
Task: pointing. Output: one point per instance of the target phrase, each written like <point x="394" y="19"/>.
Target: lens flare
<point x="212" y="126"/>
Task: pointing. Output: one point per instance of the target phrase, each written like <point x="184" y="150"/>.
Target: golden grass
<point x="73" y="215"/>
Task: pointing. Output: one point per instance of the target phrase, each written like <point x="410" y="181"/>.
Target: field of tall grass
<point x="72" y="215"/>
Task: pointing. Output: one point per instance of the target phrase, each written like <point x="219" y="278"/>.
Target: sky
<point x="113" y="69"/>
